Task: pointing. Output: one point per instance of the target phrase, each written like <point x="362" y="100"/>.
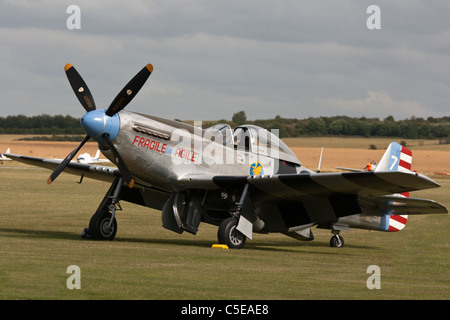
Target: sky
<point x="211" y="58"/>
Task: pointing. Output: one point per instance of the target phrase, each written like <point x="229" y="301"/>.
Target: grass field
<point x="40" y="237"/>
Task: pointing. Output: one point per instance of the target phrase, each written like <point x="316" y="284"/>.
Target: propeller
<point x="80" y="88"/>
<point x="129" y="91"/>
<point x="63" y="164"/>
<point x="103" y="126"/>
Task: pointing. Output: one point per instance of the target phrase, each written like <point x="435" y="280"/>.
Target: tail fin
<point x="396" y="158"/>
<point x="97" y="155"/>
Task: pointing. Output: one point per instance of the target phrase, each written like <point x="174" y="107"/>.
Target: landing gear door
<point x="182" y="213"/>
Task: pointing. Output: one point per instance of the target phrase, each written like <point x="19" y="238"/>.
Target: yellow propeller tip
<point x="149" y="67"/>
<point x="49" y="180"/>
<point x="131" y="184"/>
<point x="67" y="67"/>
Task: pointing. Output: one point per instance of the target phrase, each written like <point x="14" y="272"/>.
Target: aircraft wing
<point x="294" y="187"/>
<point x="102" y="173"/>
<point x="305" y="199"/>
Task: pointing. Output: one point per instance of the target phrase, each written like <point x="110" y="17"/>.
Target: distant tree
<point x="441" y="131"/>
<point x="339" y="127"/>
<point x="239" y="117"/>
<point x="390" y="119"/>
<point x="316" y="127"/>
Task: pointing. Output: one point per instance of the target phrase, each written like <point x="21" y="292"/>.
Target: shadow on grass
<point x="274" y="246"/>
<point x="45" y="234"/>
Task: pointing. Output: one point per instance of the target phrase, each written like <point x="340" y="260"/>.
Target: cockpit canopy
<point x="256" y="140"/>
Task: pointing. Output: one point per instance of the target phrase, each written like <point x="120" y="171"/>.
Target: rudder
<point x="396" y="158"/>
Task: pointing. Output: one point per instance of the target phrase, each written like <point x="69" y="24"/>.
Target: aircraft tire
<point x="98" y="226"/>
<point x="229" y="235"/>
<point x="336" y="241"/>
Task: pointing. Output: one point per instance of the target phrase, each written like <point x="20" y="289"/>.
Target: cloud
<point x="214" y="58"/>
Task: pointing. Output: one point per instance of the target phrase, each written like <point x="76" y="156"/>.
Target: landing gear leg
<point x="103" y="224"/>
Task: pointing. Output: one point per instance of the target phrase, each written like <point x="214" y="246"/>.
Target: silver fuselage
<point x="162" y="153"/>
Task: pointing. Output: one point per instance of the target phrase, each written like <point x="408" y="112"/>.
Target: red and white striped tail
<point x="404" y="164"/>
<point x="396" y="158"/>
<point x="405" y="160"/>
<point x="396" y="223"/>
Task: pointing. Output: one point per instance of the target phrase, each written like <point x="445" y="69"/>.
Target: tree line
<point x="412" y="128"/>
<point x="41" y="124"/>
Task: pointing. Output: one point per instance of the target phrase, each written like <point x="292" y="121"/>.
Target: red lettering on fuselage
<point x="150" y="144"/>
<point x="162" y="148"/>
<point x="185" y="154"/>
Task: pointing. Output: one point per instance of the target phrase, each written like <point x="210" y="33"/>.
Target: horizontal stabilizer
<point x="408" y="206"/>
<point x="350" y="169"/>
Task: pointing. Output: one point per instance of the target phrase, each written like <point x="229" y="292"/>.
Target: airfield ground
<point x="40" y="238"/>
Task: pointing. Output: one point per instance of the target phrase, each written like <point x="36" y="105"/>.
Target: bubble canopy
<point x="261" y="141"/>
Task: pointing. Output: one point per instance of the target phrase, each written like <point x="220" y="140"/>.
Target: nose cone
<point x="96" y="123"/>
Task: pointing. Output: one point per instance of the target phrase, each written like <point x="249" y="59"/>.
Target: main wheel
<point x="336" y="241"/>
<point x="99" y="226"/>
<point x="229" y="235"/>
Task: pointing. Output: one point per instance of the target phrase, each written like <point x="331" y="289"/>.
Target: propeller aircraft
<point x="244" y="180"/>
<point x="3" y="158"/>
<point x="87" y="158"/>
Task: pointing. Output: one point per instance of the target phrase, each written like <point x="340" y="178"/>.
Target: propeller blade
<point x="123" y="169"/>
<point x="129" y="91"/>
<point x="80" y="88"/>
<point x="63" y="164"/>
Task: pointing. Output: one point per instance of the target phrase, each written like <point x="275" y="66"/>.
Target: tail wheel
<point x="336" y="241"/>
<point x="229" y="235"/>
<point x="100" y="227"/>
